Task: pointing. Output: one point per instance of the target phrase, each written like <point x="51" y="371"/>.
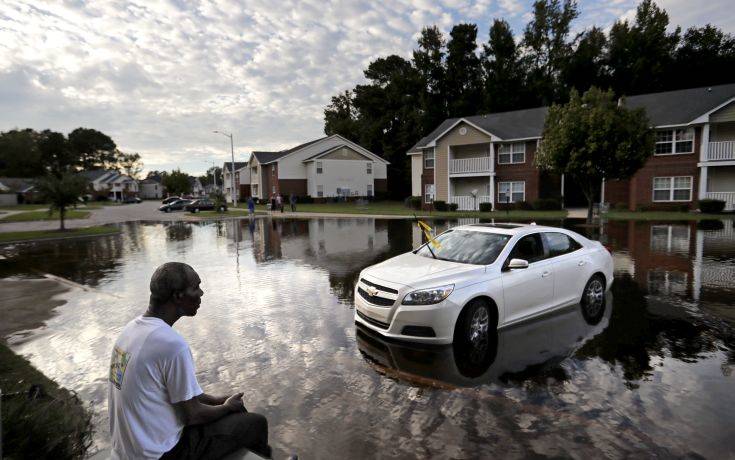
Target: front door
<point x="527" y="291"/>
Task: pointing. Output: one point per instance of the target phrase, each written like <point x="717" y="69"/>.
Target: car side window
<point x="560" y="244"/>
<point x="529" y="248"/>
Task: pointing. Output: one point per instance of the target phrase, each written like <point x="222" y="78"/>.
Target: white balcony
<point x="723" y="150"/>
<point x="727" y="197"/>
<point x="469" y="202"/>
<point x="477" y="165"/>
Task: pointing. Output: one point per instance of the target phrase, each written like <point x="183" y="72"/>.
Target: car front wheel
<point x="475" y="322"/>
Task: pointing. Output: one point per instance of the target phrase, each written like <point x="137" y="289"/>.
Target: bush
<point x="620" y="206"/>
<point x="523" y="206"/>
<point x="546" y="204"/>
<point x="708" y="206"/>
<point x="453" y="206"/>
<point x="440" y="205"/>
<point x="413" y="202"/>
<point x="304" y="199"/>
<point x="486" y="207"/>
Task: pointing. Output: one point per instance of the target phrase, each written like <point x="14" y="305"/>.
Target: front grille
<point x="375" y="300"/>
<point x="377" y="286"/>
<point x="374" y="322"/>
<point x="418" y="331"/>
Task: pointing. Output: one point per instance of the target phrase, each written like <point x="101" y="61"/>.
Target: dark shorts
<point x="221" y="437"/>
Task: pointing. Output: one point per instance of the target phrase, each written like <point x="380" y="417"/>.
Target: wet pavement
<point x="650" y="376"/>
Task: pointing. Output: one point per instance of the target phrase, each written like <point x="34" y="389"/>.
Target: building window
<point x="255" y="189"/>
<point x="273" y="171"/>
<point x="274" y="190"/>
<point x="512" y="153"/>
<point x="428" y="193"/>
<point x="511" y="192"/>
<point x="369" y="168"/>
<point x="319" y="168"/>
<point x="369" y="189"/>
<point x="429" y="159"/>
<point x="319" y="190"/>
<point x="678" y="188"/>
<point x="674" y="141"/>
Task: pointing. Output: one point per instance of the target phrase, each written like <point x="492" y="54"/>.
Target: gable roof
<point x="238" y="165"/>
<point x="678" y="107"/>
<point x="94" y="174"/>
<point x="16" y="184"/>
<point x="269" y="157"/>
<point x="331" y="149"/>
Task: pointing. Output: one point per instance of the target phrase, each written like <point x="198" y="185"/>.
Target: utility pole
<point x="214" y="174"/>
<point x="232" y="177"/>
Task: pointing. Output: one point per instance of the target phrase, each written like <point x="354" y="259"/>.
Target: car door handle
<point x="581" y="262"/>
<point x="545" y="274"/>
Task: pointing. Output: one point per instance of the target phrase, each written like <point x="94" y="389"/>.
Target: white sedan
<point x="480" y="277"/>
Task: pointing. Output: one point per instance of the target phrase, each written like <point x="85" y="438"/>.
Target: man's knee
<point x="251" y="425"/>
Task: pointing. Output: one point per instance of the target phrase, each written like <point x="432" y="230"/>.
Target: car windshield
<point x="467" y="247"/>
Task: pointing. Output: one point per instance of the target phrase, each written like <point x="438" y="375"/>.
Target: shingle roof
<point x="667" y="108"/>
<point x="238" y="165"/>
<point x="16" y="184"/>
<point x="95" y="174"/>
<point x="268" y="157"/>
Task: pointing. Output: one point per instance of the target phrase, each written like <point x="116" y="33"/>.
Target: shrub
<point x="708" y="206"/>
<point x="304" y="199"/>
<point x="523" y="205"/>
<point x="546" y="204"/>
<point x="486" y="207"/>
<point x="413" y="202"/>
<point x="440" y="205"/>
<point x="453" y="206"/>
<point x="710" y="224"/>
<point x="620" y="206"/>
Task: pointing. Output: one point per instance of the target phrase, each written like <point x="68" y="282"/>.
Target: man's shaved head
<point x="169" y="279"/>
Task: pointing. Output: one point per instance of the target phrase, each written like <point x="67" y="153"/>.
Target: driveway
<point x="145" y="211"/>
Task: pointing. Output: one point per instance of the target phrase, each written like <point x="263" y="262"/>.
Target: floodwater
<point x="652" y="377"/>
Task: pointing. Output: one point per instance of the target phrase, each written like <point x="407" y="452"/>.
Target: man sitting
<point x="156" y="407"/>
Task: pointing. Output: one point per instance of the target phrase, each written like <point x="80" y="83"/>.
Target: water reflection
<point x="277" y="321"/>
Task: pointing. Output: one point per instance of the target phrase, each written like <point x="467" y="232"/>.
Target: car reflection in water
<point x="542" y="342"/>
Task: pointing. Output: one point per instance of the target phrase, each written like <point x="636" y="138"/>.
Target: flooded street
<point x="653" y="376"/>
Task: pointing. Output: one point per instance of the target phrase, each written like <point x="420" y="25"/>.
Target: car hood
<point x="416" y="271"/>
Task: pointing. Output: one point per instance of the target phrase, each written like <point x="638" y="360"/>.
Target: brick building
<point x="490" y="158"/>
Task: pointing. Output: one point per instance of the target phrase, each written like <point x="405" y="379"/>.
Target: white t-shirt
<point x="151" y="369"/>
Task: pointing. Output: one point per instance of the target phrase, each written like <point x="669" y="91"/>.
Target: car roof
<point x="508" y="228"/>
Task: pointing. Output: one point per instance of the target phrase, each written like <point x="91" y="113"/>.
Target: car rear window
<point x="467" y="247"/>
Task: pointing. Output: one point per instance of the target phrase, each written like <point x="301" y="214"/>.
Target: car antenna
<point x="428" y="243"/>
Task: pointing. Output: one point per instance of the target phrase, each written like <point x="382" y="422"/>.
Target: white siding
<point x="417" y="168"/>
<point x="343" y="174"/>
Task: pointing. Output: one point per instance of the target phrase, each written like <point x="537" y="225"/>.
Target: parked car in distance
<point x="481" y="277"/>
<point x="203" y="205"/>
<point x="131" y="199"/>
<point x="177" y="205"/>
<point x="170" y="199"/>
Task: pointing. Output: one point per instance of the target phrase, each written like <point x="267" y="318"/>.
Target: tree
<point x="130" y="164"/>
<point x="19" y="154"/>
<point x="61" y="192"/>
<point x="587" y="65"/>
<point x="464" y="73"/>
<point x="209" y="177"/>
<point x="57" y="155"/>
<point x="428" y="60"/>
<point x="340" y="117"/>
<point x="502" y="69"/>
<point x="593" y="137"/>
<point x="547" y="48"/>
<point x="641" y="55"/>
<point x="706" y="57"/>
<point x="95" y="149"/>
<point x="177" y="182"/>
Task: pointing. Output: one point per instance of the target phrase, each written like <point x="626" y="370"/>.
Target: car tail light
<point x="608" y="247"/>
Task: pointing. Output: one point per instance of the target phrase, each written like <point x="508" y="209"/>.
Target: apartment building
<point x="490" y="158"/>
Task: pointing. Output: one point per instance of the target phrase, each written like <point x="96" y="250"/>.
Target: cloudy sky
<point x="160" y="76"/>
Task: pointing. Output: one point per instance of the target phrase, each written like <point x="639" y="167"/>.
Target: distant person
<point x="292" y="200"/>
<point x="279" y="202"/>
<point x="273" y="202"/>
<point x="251" y="206"/>
<point x="156" y="407"/>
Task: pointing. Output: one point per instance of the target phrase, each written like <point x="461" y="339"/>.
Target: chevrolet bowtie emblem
<point x="372" y="291"/>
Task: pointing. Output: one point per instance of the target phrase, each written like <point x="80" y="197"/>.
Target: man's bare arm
<point x="196" y="413"/>
<point x="210" y="400"/>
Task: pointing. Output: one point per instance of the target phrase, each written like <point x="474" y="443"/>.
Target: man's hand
<point x="234" y="403"/>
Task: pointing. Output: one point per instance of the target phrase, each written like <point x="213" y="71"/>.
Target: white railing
<point x="470" y="165"/>
<point x="727" y="197"/>
<point x="723" y="150"/>
<point x="468" y="202"/>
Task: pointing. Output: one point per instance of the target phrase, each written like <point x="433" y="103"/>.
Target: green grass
<point x="664" y="215"/>
<point x="53" y="424"/>
<point x="44" y="215"/>
<point x="24" y="207"/>
<point x="229" y="213"/>
<point x="7" y="237"/>
<point x="396" y="208"/>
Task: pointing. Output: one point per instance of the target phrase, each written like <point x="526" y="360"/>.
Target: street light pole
<point x="214" y="174"/>
<point x="232" y="177"/>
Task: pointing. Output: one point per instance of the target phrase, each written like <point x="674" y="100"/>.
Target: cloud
<point x="160" y="76"/>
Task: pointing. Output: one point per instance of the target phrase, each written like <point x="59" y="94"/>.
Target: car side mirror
<point x="517" y="264"/>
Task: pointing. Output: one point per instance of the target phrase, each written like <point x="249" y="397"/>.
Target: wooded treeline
<point x="405" y="99"/>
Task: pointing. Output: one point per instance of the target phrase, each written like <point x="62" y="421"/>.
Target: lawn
<point x="664" y="215"/>
<point x="44" y="215"/>
<point x="229" y="213"/>
<point x="24" y="207"/>
<point x="8" y="237"/>
<point x="397" y="208"/>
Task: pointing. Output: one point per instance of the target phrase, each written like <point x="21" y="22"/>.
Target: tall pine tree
<point x="464" y="73"/>
<point x="502" y="70"/>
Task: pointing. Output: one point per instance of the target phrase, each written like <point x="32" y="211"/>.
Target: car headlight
<point x="428" y="296"/>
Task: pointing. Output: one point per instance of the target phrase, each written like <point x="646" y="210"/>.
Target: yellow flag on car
<point x="427" y="232"/>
